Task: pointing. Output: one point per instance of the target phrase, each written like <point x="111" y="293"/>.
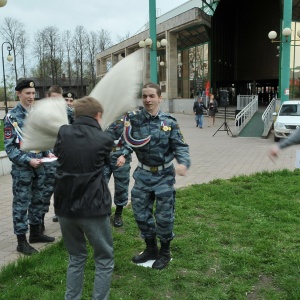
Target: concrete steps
<point x="230" y="113"/>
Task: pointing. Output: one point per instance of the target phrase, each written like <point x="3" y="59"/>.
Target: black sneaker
<point x="55" y="219"/>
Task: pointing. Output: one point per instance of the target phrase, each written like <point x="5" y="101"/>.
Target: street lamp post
<point x="152" y="29"/>
<point x="285" y="50"/>
<point x="9" y="58"/>
<point x="285" y="53"/>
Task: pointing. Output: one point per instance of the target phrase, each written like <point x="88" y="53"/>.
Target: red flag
<point x="207" y="88"/>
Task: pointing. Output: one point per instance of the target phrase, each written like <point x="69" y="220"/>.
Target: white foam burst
<point x="117" y="91"/>
<point x="42" y="124"/>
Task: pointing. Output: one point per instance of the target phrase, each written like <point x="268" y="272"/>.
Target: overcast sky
<point x="116" y="16"/>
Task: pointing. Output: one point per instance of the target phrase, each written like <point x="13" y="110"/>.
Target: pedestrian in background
<point x="27" y="173"/>
<point x="82" y="200"/>
<point x="198" y="109"/>
<point x="212" y="107"/>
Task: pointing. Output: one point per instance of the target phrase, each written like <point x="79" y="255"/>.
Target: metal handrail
<point x="245" y="115"/>
<point x="268" y="117"/>
<point x="243" y="101"/>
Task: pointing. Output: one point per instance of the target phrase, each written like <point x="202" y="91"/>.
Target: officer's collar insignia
<point x="130" y="140"/>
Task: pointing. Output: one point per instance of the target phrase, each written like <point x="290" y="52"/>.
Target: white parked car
<point x="288" y="119"/>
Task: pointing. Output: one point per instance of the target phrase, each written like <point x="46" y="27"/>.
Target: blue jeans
<point x="199" y="120"/>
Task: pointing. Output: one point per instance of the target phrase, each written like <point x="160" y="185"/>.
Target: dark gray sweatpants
<point x="98" y="231"/>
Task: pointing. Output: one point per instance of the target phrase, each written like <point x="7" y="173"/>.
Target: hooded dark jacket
<point x="80" y="189"/>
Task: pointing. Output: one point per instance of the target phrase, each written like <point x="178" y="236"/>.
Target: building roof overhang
<point x="192" y="27"/>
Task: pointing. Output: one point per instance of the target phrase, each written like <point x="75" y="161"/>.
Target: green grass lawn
<point x="1" y="136"/>
<point x="235" y="239"/>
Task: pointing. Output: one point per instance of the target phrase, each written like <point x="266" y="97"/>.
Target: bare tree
<point x="67" y="42"/>
<point x="42" y="70"/>
<point x="11" y="31"/>
<point x="92" y="42"/>
<point x="104" y="40"/>
<point x="80" y="47"/>
<point x="23" y="42"/>
<point x="55" y="54"/>
<point x="123" y="38"/>
<point x="53" y="43"/>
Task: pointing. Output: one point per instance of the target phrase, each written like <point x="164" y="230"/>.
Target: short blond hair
<point x="87" y="106"/>
<point x="55" y="89"/>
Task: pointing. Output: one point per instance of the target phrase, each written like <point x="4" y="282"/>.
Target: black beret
<point x="24" y="84"/>
<point x="69" y="95"/>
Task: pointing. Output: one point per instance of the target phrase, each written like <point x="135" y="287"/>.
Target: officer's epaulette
<point x="167" y="115"/>
<point x="131" y="114"/>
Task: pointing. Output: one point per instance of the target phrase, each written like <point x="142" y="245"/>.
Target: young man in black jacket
<point x="198" y="108"/>
<point x="82" y="200"/>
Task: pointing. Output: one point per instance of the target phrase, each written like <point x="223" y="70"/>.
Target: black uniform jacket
<point x="80" y="189"/>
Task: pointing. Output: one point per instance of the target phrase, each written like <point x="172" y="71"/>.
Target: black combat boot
<point x="164" y="256"/>
<point x="151" y="252"/>
<point x="117" y="221"/>
<point x="23" y="246"/>
<point x="36" y="235"/>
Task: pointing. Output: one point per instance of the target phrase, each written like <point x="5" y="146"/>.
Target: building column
<point x="171" y="65"/>
<point x="254" y="87"/>
<point x="185" y="73"/>
<point x="101" y="67"/>
<point x="114" y="59"/>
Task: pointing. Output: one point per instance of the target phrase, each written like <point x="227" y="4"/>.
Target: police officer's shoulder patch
<point x="7" y="132"/>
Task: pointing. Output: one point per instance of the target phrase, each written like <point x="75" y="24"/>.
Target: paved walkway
<point x="221" y="156"/>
